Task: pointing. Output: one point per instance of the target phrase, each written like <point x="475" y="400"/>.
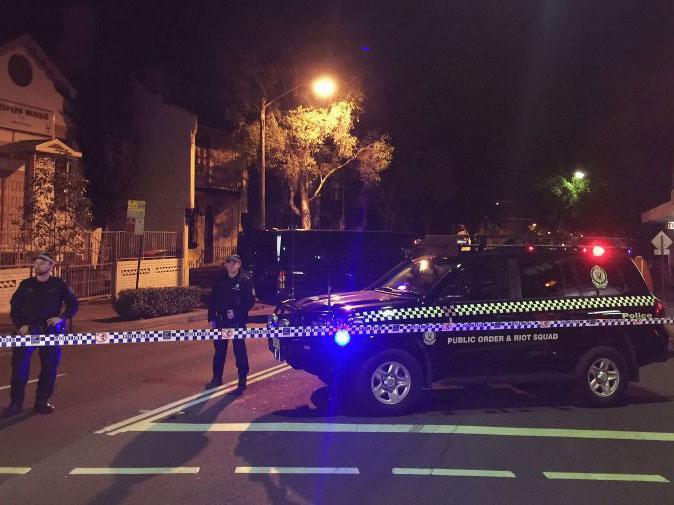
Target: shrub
<point x="155" y="302"/>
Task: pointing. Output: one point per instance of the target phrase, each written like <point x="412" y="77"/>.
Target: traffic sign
<point x="136" y="210"/>
<point x="661" y="242"/>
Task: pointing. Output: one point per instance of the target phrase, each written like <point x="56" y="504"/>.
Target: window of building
<point x="192" y="236"/>
<point x="20" y="70"/>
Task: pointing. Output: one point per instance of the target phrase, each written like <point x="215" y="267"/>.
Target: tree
<point x="58" y="210"/>
<point x="568" y="192"/>
<point x="309" y="145"/>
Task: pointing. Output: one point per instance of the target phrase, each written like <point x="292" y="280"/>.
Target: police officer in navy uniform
<point x="41" y="305"/>
<point x="231" y="298"/>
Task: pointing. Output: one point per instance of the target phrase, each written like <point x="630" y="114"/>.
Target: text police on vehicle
<point x="387" y="372"/>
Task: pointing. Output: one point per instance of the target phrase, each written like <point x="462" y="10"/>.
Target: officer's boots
<point x="43" y="407"/>
<point x="241" y="387"/>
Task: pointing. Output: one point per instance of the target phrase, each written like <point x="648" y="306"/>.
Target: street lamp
<point x="323" y="87"/>
<point x="579" y="174"/>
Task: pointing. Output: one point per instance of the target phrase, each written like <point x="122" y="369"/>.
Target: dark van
<point x="299" y="263"/>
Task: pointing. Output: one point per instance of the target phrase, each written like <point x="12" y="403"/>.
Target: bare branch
<point x="331" y="172"/>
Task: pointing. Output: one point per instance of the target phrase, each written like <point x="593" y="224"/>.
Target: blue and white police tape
<point x="151" y="336"/>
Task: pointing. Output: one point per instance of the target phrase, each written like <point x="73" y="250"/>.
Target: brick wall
<point x="154" y="273"/>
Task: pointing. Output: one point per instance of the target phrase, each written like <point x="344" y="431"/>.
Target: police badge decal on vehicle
<point x="599" y="277"/>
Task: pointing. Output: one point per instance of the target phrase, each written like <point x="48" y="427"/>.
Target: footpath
<point x="101" y="316"/>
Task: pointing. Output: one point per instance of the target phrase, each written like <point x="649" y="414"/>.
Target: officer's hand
<point x="212" y="323"/>
<point x="54" y="321"/>
<point x="23" y="330"/>
<point x="230" y="314"/>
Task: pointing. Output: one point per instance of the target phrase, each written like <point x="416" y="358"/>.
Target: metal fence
<point x="88" y="281"/>
<point x="89" y="267"/>
<point x="156" y="244"/>
<point x="220" y="254"/>
<point x="93" y="248"/>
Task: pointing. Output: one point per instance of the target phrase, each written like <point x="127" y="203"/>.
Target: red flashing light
<point x="584" y="250"/>
<point x="598" y="250"/>
<point x="530" y="248"/>
<point x="659" y="308"/>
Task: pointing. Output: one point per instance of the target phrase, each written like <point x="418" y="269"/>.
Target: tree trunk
<point x="305" y="209"/>
<point x="316" y="213"/>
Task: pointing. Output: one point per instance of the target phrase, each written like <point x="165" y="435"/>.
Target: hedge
<point x="155" y="302"/>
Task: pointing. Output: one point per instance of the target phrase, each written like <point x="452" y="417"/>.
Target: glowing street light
<point x="579" y="174"/>
<point x="323" y="87"/>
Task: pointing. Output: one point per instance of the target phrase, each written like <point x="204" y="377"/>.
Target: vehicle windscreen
<point x="416" y="277"/>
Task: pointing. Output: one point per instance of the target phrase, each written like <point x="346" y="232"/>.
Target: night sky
<point x="481" y="98"/>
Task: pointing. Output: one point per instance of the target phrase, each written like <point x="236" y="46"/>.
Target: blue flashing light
<point x="365" y="49"/>
<point x="342" y="338"/>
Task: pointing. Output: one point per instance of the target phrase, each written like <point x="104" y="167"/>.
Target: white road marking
<point x="620" y="477"/>
<point x="171" y="470"/>
<point x="454" y="472"/>
<point x="32" y="381"/>
<point x="297" y="470"/>
<point x="424" y="429"/>
<point x="179" y="403"/>
<point x="14" y="470"/>
<point x="217" y="393"/>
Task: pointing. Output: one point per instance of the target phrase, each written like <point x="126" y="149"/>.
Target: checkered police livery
<point x="403" y="314"/>
<point x="527" y="306"/>
<point x="497" y="308"/>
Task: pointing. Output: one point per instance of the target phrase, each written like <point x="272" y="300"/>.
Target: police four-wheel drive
<point x="388" y="372"/>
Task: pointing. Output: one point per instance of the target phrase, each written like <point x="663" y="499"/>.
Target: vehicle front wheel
<point x="389" y="383"/>
<point x="602" y="376"/>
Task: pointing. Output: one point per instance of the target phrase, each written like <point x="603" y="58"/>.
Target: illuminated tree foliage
<point x="58" y="210"/>
<point x="309" y="145"/>
<point x="568" y="192"/>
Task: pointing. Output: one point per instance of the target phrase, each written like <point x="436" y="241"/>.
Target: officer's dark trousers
<point x="221" y="353"/>
<point x="50" y="358"/>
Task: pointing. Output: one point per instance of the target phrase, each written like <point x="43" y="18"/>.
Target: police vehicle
<point x="387" y="372"/>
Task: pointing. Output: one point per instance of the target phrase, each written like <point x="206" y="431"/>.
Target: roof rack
<point x="453" y="245"/>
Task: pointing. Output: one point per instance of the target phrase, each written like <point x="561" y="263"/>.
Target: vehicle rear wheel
<point x="602" y="376"/>
<point x="389" y="383"/>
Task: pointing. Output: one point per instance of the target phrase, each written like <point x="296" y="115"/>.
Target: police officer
<point x="231" y="298"/>
<point x="41" y="305"/>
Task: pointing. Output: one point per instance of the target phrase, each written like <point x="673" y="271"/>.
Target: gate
<point x="88" y="281"/>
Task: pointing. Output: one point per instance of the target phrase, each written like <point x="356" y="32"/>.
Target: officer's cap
<point x="234" y="257"/>
<point x="45" y="256"/>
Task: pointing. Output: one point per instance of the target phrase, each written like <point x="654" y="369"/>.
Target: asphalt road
<point x="134" y="426"/>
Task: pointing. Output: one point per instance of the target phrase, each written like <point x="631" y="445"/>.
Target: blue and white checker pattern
<point x="138" y="337"/>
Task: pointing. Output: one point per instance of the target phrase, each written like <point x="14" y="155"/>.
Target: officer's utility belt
<point x="384" y="328"/>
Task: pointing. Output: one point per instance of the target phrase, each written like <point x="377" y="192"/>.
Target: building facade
<point x="37" y="128"/>
<point x="191" y="178"/>
<point x="221" y="184"/>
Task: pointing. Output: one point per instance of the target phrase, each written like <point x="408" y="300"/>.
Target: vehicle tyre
<point x="389" y="383"/>
<point x="602" y="377"/>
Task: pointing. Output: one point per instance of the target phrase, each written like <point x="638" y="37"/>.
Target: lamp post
<point x="323" y="87"/>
